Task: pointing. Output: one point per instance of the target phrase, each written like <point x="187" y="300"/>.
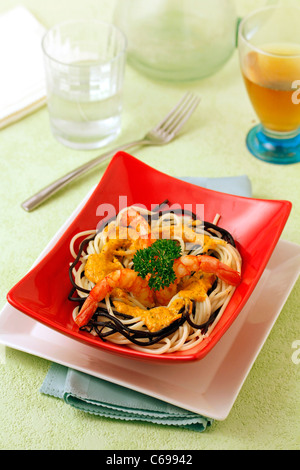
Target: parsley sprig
<point x="157" y="260"/>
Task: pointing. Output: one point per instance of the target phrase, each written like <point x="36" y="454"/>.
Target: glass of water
<point x="85" y="63"/>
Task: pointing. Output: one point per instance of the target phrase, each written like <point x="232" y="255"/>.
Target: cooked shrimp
<point x="186" y="265"/>
<point x="135" y="220"/>
<point x="164" y="295"/>
<point x="126" y="279"/>
<point x="160" y="317"/>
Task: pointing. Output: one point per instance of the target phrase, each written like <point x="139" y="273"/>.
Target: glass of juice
<point x="84" y="64"/>
<point x="269" y="49"/>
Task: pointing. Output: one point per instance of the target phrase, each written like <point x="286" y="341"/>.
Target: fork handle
<point x="45" y="193"/>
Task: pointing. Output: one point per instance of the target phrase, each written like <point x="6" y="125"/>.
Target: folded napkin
<point x="237" y="185"/>
<point x="99" y="397"/>
<point x="23" y="88"/>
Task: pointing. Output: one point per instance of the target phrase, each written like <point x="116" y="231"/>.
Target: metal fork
<point x="161" y="134"/>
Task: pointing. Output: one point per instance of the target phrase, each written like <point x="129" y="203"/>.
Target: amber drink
<point x="269" y="50"/>
<point x="270" y="79"/>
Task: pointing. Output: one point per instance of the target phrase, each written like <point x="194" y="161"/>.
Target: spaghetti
<point x="122" y="317"/>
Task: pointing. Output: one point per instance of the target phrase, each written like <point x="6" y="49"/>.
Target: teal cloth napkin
<point x="237" y="185"/>
<point x="99" y="397"/>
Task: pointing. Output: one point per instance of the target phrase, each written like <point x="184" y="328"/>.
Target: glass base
<point x="283" y="151"/>
<point x="86" y="135"/>
<point x="93" y="145"/>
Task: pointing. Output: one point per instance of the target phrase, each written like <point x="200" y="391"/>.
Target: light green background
<point x="266" y="412"/>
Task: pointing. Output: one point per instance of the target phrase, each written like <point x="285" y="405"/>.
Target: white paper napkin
<point x="22" y="76"/>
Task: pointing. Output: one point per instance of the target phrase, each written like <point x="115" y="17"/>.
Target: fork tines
<point x="179" y="114"/>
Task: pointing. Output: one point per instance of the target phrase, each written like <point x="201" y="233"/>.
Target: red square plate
<point x="255" y="224"/>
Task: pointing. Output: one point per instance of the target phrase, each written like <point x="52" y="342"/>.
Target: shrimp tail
<point x="88" y="309"/>
<point x="209" y="264"/>
<point x="90" y="304"/>
<point x="228" y="275"/>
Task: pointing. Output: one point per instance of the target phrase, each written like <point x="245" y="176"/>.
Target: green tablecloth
<point x="266" y="412"/>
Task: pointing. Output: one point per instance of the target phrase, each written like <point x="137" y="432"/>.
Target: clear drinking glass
<point x="84" y="63"/>
<point x="269" y="48"/>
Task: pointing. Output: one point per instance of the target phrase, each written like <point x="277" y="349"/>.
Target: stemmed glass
<point x="269" y="49"/>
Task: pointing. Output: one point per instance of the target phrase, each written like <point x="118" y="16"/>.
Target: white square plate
<point x="208" y="387"/>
